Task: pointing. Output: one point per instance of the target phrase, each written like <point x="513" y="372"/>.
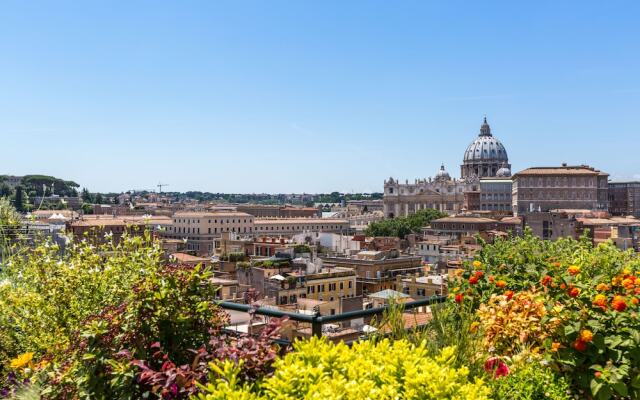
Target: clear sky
<point x="301" y="96"/>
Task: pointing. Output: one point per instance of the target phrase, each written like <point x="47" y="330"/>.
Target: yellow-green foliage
<point x="318" y="369"/>
<point x="45" y="295"/>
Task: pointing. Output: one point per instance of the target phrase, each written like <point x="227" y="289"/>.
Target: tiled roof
<point x="563" y="170"/>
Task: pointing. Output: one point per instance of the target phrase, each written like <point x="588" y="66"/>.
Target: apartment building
<point x="541" y="189"/>
<point x="200" y="228"/>
<point x="421" y="287"/>
<point x="624" y="198"/>
<point x="293" y="226"/>
<point x="275" y="211"/>
<point x="331" y="284"/>
<point x="376" y="270"/>
<point x="495" y="194"/>
<point x="458" y="227"/>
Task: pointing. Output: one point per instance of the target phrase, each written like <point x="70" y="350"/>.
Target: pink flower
<point x="496" y="366"/>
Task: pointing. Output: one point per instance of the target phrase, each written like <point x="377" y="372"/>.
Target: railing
<point x="317" y="320"/>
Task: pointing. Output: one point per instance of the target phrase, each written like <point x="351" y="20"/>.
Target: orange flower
<point x="602" y="287"/>
<point x="635" y="301"/>
<point x="459" y="297"/>
<point x="501" y="284"/>
<point x="600" y="301"/>
<point x="555" y="346"/>
<point x="586" y="335"/>
<point x="597" y="374"/>
<point x="563" y="286"/>
<point x="479" y="274"/>
<point x="618" y="303"/>
<point x="574" y="292"/>
<point x="473" y="280"/>
<point x="627" y="283"/>
<point x="574" y="270"/>
<point x="492" y="278"/>
<point x="556" y="264"/>
<point x="508" y="294"/>
<point x="580" y="345"/>
<point x="545" y="281"/>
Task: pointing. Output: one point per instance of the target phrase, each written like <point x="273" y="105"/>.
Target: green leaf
<point x="635" y="381"/>
<point x="596" y="386"/>
<point x="620" y="388"/>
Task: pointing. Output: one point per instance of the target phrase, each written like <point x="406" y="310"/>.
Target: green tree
<point x="34" y="184"/>
<point x="86" y="196"/>
<point x="19" y="199"/>
<point x="403" y="226"/>
<point x="5" y="190"/>
<point x="87" y="208"/>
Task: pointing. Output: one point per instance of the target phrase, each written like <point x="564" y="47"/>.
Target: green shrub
<point x="301" y="248"/>
<point x="318" y="369"/>
<point x="573" y="302"/>
<point x="45" y="297"/>
<point x="531" y="382"/>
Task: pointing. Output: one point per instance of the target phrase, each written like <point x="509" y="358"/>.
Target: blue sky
<point x="301" y="96"/>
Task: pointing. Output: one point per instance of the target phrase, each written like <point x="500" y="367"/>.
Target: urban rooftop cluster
<point x="491" y="285"/>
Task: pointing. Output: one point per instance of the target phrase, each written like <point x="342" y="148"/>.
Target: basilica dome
<point x="486" y="147"/>
<point x="485" y="155"/>
<point x="443" y="174"/>
<point x="504" y="171"/>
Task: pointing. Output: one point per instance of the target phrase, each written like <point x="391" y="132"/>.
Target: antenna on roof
<point x="160" y="186"/>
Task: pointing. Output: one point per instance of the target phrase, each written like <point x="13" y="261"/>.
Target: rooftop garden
<point x="527" y="319"/>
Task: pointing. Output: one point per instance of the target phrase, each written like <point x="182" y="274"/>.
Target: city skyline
<point x="289" y="98"/>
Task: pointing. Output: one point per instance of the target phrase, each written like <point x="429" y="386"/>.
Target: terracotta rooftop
<point x="204" y="214"/>
<point x="105" y="222"/>
<point x="269" y="221"/>
<point x="184" y="257"/>
<point x="562" y="170"/>
<point x="465" y="219"/>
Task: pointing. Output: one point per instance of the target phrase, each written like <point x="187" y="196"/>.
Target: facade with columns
<point x="484" y="157"/>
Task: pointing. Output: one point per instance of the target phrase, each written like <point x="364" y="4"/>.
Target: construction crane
<point x="160" y="186"/>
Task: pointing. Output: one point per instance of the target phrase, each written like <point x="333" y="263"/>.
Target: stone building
<point x="376" y="270"/>
<point x="442" y="193"/>
<point x="200" y="228"/>
<point x="484" y="157"/>
<point x="541" y="189"/>
<point x="495" y="193"/>
<point x="624" y="198"/>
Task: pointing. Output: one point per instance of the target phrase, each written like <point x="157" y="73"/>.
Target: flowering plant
<point x="575" y="303"/>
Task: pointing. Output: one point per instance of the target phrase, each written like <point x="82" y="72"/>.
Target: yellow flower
<point x="626" y="271"/>
<point x="477" y="264"/>
<point x="574" y="270"/>
<point x="22" y="361"/>
<point x="586" y="335"/>
<point x="601" y="287"/>
<point x="474" y="327"/>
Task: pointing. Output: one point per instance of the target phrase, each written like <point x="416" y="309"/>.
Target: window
<point x="350" y="284"/>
